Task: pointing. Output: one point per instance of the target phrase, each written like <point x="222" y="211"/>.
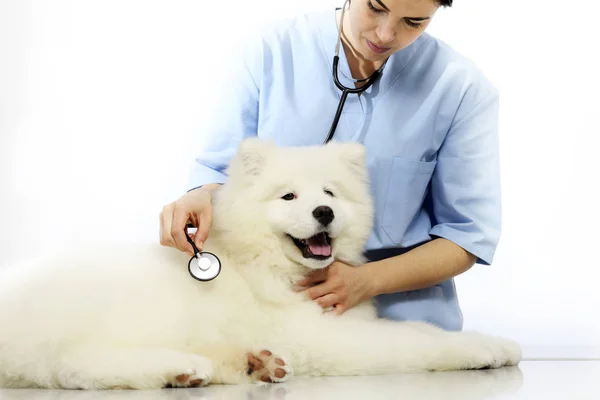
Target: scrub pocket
<point x="407" y="188"/>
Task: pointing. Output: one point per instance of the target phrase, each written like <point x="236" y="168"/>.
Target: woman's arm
<point x="424" y="266"/>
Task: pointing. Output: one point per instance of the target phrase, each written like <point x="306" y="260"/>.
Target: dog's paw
<point x="511" y="351"/>
<point x="494" y="352"/>
<point x="267" y="367"/>
<point x="200" y="374"/>
<point x="485" y="352"/>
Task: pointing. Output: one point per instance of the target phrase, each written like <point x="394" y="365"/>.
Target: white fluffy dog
<point x="125" y="317"/>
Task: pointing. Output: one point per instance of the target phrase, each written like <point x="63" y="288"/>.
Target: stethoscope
<point x="205" y="266"/>
<point x="347" y="90"/>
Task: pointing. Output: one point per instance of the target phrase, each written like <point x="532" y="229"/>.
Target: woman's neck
<point x="360" y="68"/>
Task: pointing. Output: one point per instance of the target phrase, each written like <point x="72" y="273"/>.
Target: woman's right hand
<point x="194" y="207"/>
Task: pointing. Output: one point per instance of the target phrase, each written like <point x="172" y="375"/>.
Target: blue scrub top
<point x="429" y="124"/>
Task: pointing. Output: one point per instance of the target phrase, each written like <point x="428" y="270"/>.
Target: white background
<point x="100" y="102"/>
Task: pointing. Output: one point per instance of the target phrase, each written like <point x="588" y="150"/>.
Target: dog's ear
<point x="251" y="156"/>
<point x="353" y="155"/>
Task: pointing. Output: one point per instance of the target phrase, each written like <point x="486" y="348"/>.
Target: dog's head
<point x="311" y="204"/>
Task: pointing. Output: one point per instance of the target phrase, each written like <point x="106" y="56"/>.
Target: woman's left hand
<point x="339" y="285"/>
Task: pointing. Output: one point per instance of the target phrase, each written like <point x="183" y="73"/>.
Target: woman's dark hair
<point x="445" y="3"/>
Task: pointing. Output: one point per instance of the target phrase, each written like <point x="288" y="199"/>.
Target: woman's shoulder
<point x="285" y="40"/>
<point x="442" y="58"/>
<point x="299" y="29"/>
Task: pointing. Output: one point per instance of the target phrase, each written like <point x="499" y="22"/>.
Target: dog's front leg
<point x="338" y="346"/>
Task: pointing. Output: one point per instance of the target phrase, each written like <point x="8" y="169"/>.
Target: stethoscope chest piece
<point x="204" y="266"/>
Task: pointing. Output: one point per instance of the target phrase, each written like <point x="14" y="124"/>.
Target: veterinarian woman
<point x="429" y="124"/>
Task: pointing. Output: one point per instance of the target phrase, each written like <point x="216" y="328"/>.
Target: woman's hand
<point x="339" y="285"/>
<point x="195" y="207"/>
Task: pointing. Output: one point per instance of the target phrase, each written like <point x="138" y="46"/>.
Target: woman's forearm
<point x="424" y="266"/>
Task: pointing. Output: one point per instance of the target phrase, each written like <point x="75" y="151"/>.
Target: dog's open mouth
<point x="317" y="246"/>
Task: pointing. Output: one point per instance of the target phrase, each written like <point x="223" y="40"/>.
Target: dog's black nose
<point x="323" y="214"/>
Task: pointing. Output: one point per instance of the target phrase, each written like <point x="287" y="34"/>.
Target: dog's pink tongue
<point x="318" y="246"/>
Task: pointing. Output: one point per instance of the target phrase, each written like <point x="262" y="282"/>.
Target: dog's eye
<point x="329" y="192"/>
<point x="289" y="196"/>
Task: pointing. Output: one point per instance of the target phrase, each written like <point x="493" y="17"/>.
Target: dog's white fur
<point x="131" y="317"/>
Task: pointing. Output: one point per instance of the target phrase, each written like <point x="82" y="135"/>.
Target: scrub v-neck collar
<point x="393" y="69"/>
